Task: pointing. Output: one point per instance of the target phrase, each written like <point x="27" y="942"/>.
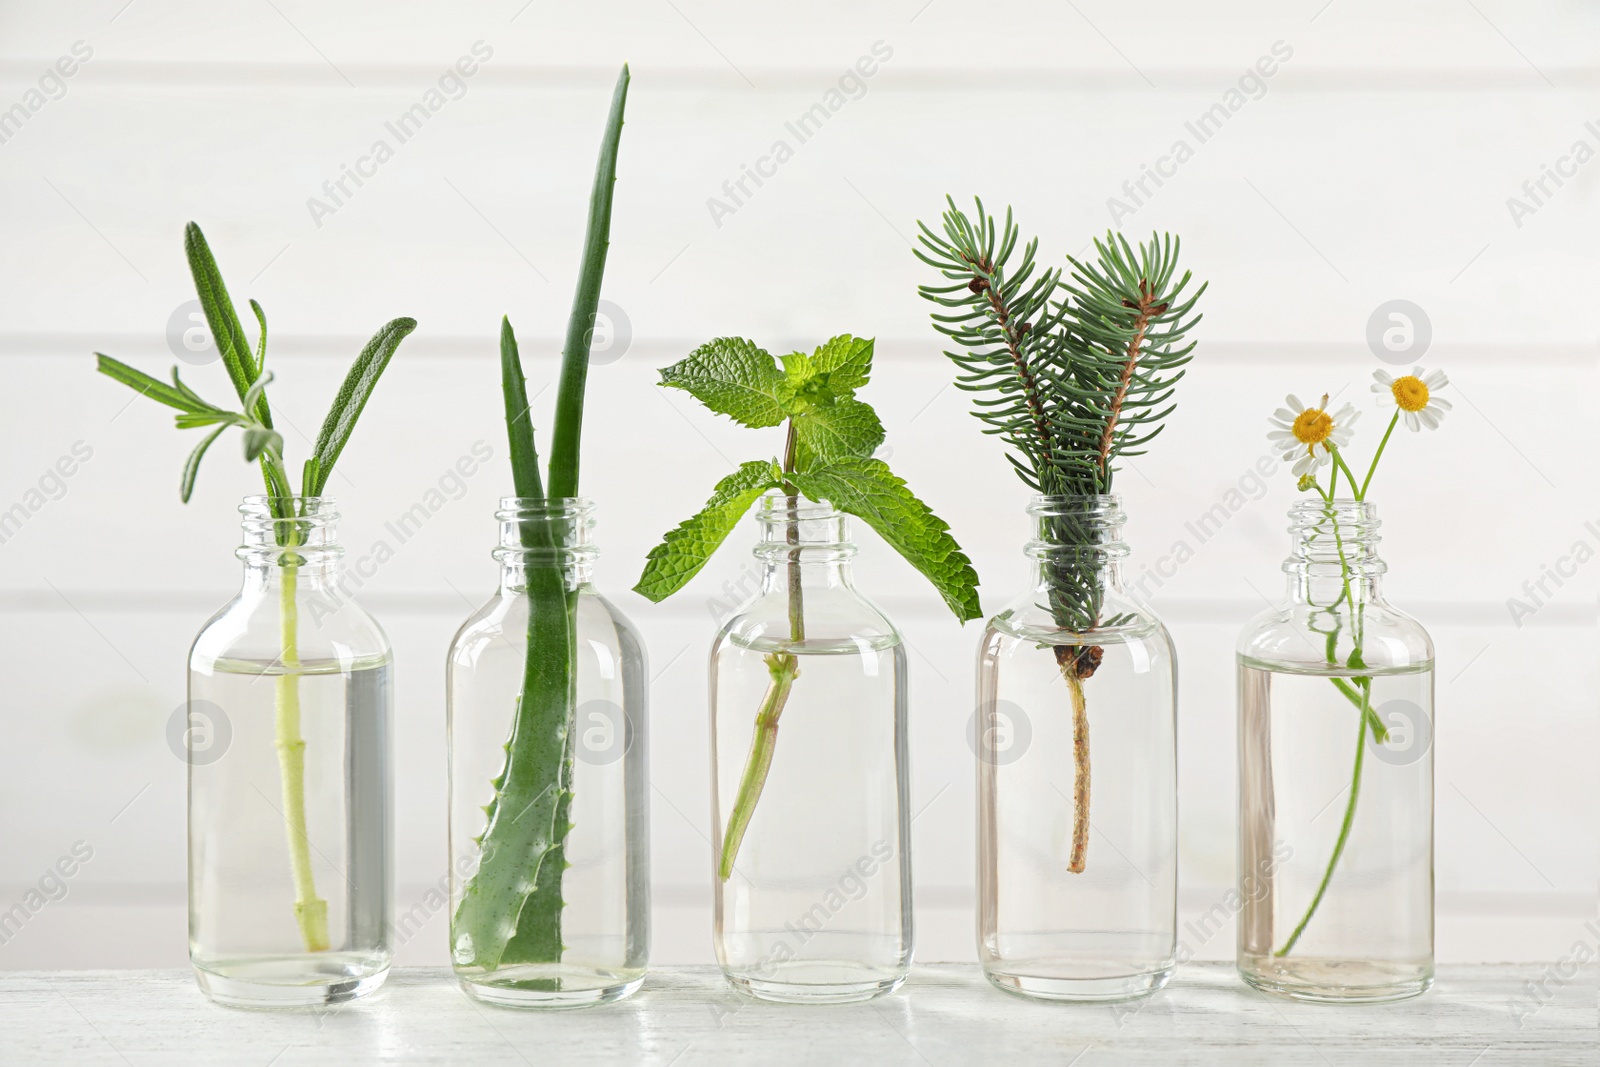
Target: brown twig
<point x="980" y="283"/>
<point x="1069" y="658"/>
<point x="1145" y="310"/>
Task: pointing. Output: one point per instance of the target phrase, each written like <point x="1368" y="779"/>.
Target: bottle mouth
<point x="807" y="532"/>
<point x="289" y="530"/>
<point x="774" y="508"/>
<point x="575" y="509"/>
<point x="1344" y="511"/>
<point x="1330" y="536"/>
<point x="273" y="509"/>
<point x="545" y="531"/>
<point x="1088" y="527"/>
<point x="1102" y="511"/>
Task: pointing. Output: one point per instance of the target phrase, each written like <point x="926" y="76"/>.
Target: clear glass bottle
<point x="1076" y="737"/>
<point x="812" y="837"/>
<point x="1335" y="839"/>
<point x="549" y="643"/>
<point x="290" y="800"/>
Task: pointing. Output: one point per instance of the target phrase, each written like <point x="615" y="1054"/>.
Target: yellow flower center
<point x="1312" y="426"/>
<point x="1410" y="393"/>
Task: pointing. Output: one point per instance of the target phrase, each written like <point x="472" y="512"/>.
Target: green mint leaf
<point x="847" y="361"/>
<point x="191" y="466"/>
<point x="353" y="394"/>
<point x="684" y="550"/>
<point x="732" y="377"/>
<point x="843" y="429"/>
<point x="833" y="372"/>
<point x="867" y="489"/>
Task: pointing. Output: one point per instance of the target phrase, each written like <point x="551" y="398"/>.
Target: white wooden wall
<point x="1374" y="164"/>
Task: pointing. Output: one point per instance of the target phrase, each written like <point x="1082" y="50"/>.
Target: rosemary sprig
<point x="264" y="445"/>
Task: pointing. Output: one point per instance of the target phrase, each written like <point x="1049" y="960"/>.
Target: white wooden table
<point x="944" y="1015"/>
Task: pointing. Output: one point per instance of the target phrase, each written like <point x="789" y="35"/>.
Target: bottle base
<point x="1096" y="989"/>
<point x="818" y="982"/>
<point x="1325" y="981"/>
<point x="289" y="982"/>
<point x="549" y="987"/>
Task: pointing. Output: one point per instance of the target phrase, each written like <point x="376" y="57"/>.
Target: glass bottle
<point x="1335" y="839"/>
<point x="290" y="800"/>
<point x="811" y="836"/>
<point x="1076" y="737"/>
<point x="547" y="689"/>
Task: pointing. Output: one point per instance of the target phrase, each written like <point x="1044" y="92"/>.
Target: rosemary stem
<point x="310" y="911"/>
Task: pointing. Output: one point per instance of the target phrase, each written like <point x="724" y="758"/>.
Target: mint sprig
<point x="827" y="458"/>
<point x="832" y="436"/>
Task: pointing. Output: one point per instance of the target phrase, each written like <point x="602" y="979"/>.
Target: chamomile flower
<point x="1307" y="435"/>
<point x="1413" y="394"/>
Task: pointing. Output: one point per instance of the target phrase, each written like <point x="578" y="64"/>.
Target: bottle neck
<point x="807" y="543"/>
<point x="1333" y="552"/>
<point x="542" y="539"/>
<point x="290" y="539"/>
<point x="1077" y="552"/>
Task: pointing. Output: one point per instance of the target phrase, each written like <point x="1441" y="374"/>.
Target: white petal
<point x="1304" y="466"/>
<point x="1439" y="402"/>
<point x="1412" y="422"/>
<point x="1294" y="403"/>
<point x="1384" y="379"/>
<point x="1436" y="380"/>
<point x="1430" y="419"/>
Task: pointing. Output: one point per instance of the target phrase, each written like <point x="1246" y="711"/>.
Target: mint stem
<point x="784" y="668"/>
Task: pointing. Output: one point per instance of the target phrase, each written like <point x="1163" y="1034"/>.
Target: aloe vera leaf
<point x="538" y="934"/>
<point x="568" y="430"/>
<point x="527" y="810"/>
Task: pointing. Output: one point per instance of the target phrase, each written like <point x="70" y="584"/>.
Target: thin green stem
<point x="1339" y="465"/>
<point x="1361" y="695"/>
<point x="1380" y="732"/>
<point x="1344" y="832"/>
<point x="784" y="668"/>
<point x="797" y="619"/>
<point x="1361" y="494"/>
<point x="310" y="911"/>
